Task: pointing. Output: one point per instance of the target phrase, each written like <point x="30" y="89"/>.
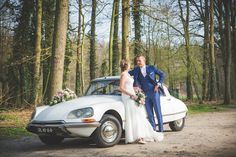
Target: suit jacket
<point x="151" y="75"/>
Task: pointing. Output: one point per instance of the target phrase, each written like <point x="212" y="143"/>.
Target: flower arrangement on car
<point x="62" y="96"/>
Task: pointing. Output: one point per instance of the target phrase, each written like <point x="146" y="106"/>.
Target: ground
<point x="205" y="135"/>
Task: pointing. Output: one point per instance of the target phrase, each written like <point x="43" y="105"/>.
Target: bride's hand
<point x="134" y="97"/>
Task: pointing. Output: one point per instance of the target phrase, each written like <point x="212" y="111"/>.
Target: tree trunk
<point x="37" y="66"/>
<point x="78" y="60"/>
<point x="206" y="52"/>
<point x="92" y="41"/>
<point x="233" y="41"/>
<point x="137" y="27"/>
<point x="4" y="55"/>
<point x="111" y="37"/>
<point x="212" y="54"/>
<point x="115" y="46"/>
<point x="59" y="45"/>
<point x="228" y="61"/>
<point x="48" y="23"/>
<point x="125" y="29"/>
<point x="82" y="51"/>
<point x="148" y="41"/>
<point x="185" y="22"/>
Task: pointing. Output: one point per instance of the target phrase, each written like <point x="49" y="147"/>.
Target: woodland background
<point x="47" y="45"/>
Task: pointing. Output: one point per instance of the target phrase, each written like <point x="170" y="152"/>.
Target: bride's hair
<point x="124" y="64"/>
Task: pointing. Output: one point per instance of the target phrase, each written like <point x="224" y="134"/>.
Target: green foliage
<point x="200" y="108"/>
<point x="13" y="123"/>
<point x="14" y="132"/>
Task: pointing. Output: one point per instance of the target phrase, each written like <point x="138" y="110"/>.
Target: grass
<point x="14" y="132"/>
<point x="13" y="123"/>
<point x="201" y="108"/>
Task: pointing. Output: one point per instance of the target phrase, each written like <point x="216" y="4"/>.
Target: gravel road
<point x="205" y="135"/>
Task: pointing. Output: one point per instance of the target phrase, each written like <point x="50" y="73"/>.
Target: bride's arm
<point x="122" y="85"/>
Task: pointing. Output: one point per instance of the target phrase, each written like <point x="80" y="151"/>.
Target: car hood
<point x="61" y="110"/>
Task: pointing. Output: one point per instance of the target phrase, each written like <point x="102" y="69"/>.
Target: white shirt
<point x="143" y="70"/>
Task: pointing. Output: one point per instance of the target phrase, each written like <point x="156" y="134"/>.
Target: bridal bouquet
<point x="140" y="98"/>
<point x="62" y="96"/>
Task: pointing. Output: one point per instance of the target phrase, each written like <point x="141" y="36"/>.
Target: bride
<point x="137" y="127"/>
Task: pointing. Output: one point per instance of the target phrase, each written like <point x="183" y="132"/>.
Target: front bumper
<point x="61" y="128"/>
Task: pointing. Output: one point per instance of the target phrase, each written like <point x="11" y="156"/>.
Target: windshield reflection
<point x="106" y="87"/>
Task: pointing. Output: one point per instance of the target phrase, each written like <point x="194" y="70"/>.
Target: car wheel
<point x="177" y="125"/>
<point x="51" y="140"/>
<point x="109" y="132"/>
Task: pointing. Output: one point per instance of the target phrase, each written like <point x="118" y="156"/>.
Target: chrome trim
<point x="66" y="125"/>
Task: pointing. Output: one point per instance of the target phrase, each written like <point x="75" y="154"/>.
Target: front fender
<point x="101" y="109"/>
<point x="38" y="110"/>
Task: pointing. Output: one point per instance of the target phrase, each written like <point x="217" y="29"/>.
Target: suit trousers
<point x="152" y="101"/>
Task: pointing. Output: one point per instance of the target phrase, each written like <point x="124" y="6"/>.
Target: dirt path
<point x="208" y="134"/>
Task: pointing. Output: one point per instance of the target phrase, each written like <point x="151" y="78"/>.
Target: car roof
<point x="110" y="78"/>
<point x="106" y="78"/>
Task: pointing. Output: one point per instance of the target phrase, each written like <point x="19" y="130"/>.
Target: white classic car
<point x="99" y="114"/>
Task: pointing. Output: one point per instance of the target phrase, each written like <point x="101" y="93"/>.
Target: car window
<point x="106" y="87"/>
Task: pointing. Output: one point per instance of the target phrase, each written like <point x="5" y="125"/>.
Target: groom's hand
<point x="156" y="89"/>
<point x="137" y="89"/>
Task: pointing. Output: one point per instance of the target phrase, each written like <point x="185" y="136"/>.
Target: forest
<point x="49" y="45"/>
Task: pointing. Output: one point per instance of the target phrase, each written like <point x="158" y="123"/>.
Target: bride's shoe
<point x="141" y="141"/>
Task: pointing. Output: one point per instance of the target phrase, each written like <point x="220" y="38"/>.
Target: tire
<point x="177" y="125"/>
<point x="109" y="132"/>
<point x="51" y="140"/>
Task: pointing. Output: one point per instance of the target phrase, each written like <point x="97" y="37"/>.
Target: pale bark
<point x="59" y="45"/>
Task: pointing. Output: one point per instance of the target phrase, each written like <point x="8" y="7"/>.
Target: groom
<point x="145" y="78"/>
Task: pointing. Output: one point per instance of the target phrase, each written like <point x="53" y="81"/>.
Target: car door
<point x="166" y="104"/>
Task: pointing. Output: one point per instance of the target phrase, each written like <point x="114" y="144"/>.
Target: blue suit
<point x="147" y="84"/>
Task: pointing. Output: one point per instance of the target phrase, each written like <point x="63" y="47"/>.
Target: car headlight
<point x="81" y="113"/>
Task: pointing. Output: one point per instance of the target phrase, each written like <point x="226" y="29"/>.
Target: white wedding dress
<point x="136" y="122"/>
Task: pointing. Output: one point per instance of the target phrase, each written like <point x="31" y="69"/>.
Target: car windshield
<point x="105" y="87"/>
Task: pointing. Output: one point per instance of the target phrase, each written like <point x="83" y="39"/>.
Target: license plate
<point x="45" y="130"/>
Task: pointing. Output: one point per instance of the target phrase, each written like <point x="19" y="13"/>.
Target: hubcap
<point x="109" y="131"/>
<point x="179" y="122"/>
